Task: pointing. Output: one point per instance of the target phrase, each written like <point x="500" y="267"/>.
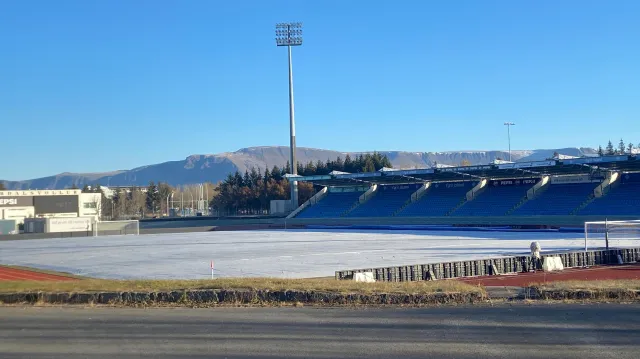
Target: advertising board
<point x="77" y="224"/>
<point x="590" y="160"/>
<point x="514" y="182"/>
<point x="412" y="186"/>
<point x="16" y="201"/>
<point x="55" y="204"/>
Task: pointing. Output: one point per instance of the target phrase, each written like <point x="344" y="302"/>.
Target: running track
<point x="12" y="274"/>
<point x="631" y="271"/>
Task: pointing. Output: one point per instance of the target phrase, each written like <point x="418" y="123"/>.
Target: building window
<point x="90" y="205"/>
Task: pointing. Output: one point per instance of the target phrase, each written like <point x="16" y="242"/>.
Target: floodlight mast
<point x="290" y="34"/>
<point x="509" y="124"/>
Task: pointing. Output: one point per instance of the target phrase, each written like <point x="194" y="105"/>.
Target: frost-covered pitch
<point x="290" y="254"/>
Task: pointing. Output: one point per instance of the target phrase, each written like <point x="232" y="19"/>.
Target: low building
<point x="20" y="204"/>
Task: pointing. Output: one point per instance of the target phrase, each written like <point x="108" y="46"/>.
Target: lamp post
<point x="290" y="34"/>
<point x="168" y="212"/>
<point x="509" y="124"/>
<point x="191" y="209"/>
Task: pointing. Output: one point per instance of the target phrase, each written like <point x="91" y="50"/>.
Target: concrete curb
<point x="240" y="297"/>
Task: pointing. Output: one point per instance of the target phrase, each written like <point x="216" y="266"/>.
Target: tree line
<point x="153" y="200"/>
<point x="621" y="149"/>
<point x="253" y="191"/>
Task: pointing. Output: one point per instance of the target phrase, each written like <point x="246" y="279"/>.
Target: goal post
<point x="114" y="228"/>
<point x="608" y="231"/>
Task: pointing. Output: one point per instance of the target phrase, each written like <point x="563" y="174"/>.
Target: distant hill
<point x="214" y="168"/>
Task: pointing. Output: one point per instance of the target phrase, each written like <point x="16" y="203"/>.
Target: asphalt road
<point x="505" y="331"/>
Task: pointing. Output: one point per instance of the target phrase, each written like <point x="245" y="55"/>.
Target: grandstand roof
<point x="570" y="166"/>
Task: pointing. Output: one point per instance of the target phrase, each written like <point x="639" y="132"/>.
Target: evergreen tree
<point x="276" y="173"/>
<point x="153" y="197"/>
<point x="368" y="165"/>
<point x="338" y="164"/>
<point x="630" y="148"/>
<point x="621" y="147"/>
<point x="267" y="175"/>
<point x="237" y="180"/>
<point x="254" y="177"/>
<point x="610" y="151"/>
<point x="309" y="169"/>
<point x="600" y="151"/>
<point x="321" y="168"/>
<point x="386" y="162"/>
<point x="246" y="180"/>
<point x="86" y="189"/>
<point x="348" y="164"/>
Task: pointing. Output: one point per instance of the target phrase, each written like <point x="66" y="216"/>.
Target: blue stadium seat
<point x="439" y="200"/>
<point x="334" y="204"/>
<point x="386" y="201"/>
<point x="558" y="199"/>
<point x="622" y="199"/>
<point x="494" y="201"/>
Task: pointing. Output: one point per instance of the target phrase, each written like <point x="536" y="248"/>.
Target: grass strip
<point x="273" y="284"/>
<point x="623" y="284"/>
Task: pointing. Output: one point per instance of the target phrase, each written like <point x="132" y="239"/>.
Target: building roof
<point x="569" y="166"/>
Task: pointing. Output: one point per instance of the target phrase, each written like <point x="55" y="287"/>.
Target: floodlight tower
<point x="509" y="124"/>
<point x="290" y="34"/>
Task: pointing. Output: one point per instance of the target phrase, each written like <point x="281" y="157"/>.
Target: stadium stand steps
<point x="520" y="204"/>
<point x="497" y="199"/>
<point x="385" y="202"/>
<point x="438" y="201"/>
<point x="622" y="198"/>
<point x="460" y="204"/>
<point x="351" y="209"/>
<point x="334" y="204"/>
<point x="408" y="202"/>
<point x="584" y="204"/>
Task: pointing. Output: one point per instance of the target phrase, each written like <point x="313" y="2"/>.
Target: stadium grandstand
<point x="594" y="186"/>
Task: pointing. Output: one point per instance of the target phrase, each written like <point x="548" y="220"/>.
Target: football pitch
<point x="273" y="253"/>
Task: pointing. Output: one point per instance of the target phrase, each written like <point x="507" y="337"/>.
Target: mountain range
<point x="214" y="168"/>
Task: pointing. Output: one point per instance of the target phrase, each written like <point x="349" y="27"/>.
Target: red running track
<point x="631" y="271"/>
<point x="12" y="274"/>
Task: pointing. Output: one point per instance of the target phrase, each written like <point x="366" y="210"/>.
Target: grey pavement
<point x="504" y="331"/>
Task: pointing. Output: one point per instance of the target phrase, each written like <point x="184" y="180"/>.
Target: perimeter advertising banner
<point x="454" y="185"/>
<point x="514" y="182"/>
<point x="401" y="187"/>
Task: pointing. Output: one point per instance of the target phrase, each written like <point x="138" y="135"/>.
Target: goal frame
<point x="96" y="227"/>
<point x="606" y="230"/>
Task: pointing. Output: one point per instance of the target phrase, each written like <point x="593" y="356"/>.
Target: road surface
<point x="505" y="331"/>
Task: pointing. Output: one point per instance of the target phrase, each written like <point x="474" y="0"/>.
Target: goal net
<point x="611" y="233"/>
<point x="112" y="228"/>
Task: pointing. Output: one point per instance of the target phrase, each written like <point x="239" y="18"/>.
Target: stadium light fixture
<point x="509" y="124"/>
<point x="290" y="34"/>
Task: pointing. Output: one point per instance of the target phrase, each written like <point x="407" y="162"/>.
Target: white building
<point x="18" y="205"/>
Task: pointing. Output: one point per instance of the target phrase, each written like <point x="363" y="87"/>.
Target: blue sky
<point x="91" y="86"/>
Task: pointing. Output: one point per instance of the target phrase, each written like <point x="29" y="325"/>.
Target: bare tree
<point x="136" y="202"/>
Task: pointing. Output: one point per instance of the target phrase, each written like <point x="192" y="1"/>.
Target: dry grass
<point x="626" y="284"/>
<point x="273" y="284"/>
